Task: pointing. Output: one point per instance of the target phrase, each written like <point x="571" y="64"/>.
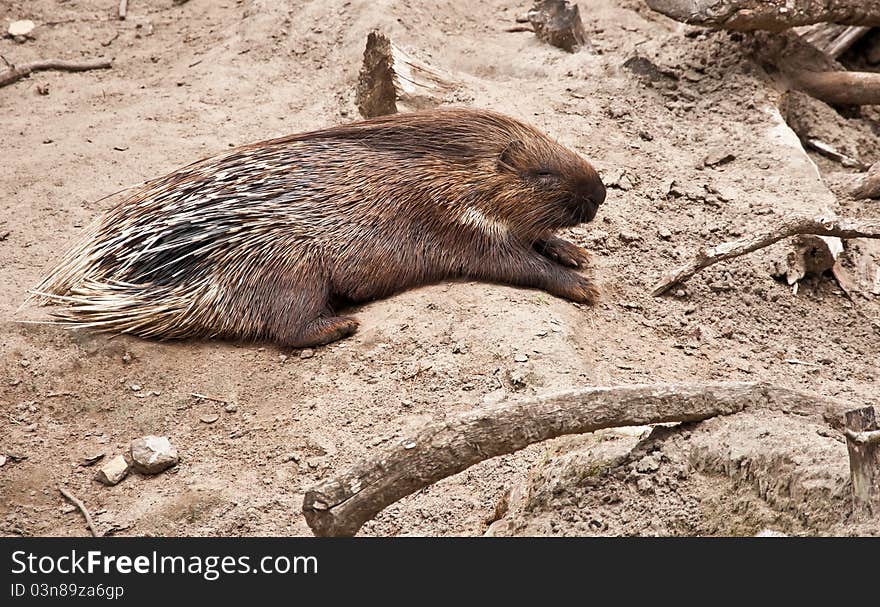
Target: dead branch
<point x="82" y="508"/>
<point x="840" y="88"/>
<point x="340" y="506"/>
<point x="392" y="80"/>
<point x="805" y="67"/>
<point x="18" y="72"/>
<point x="772" y="15"/>
<point x="819" y="226"/>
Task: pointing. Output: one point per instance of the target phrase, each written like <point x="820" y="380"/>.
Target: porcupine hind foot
<point x="322" y="331"/>
<point x="563" y="252"/>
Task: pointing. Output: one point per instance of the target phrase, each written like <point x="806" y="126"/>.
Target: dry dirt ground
<point x="192" y="80"/>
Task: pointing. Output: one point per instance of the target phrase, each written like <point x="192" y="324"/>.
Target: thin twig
<point x="205" y="397"/>
<point x="18" y="72"/>
<point x="831" y="153"/>
<point x="82" y="508"/>
<point x="868" y="437"/>
<point x="820" y="226"/>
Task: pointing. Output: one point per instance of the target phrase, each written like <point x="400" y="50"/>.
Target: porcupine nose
<point x="597" y="193"/>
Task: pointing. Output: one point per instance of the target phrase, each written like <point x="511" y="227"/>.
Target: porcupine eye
<point x="544" y="176"/>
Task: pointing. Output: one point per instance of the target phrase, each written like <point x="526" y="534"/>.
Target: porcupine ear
<point x="507" y="158"/>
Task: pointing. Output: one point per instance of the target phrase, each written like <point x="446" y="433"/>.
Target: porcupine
<point x="264" y="241"/>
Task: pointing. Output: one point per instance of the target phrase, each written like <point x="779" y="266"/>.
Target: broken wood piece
<point x="558" y="23"/>
<point x="864" y="461"/>
<point x="868" y="184"/>
<point x="392" y="81"/>
<point x="82" y="508"/>
<point x="20" y="71"/>
<point x="339" y="506"/>
<point x="771" y="15"/>
<point x="785" y="228"/>
<point x="832" y="39"/>
<point x="809" y="255"/>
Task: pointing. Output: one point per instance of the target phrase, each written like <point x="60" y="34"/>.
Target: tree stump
<point x="558" y="23"/>
<point x="391" y="80"/>
<point x="863" y="443"/>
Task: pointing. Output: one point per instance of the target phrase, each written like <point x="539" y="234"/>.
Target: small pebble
<point x="153" y="454"/>
<point x="648" y="464"/>
<point x="22" y="28"/>
<point x="113" y="471"/>
<point x="307" y="353"/>
<point x="521" y="357"/>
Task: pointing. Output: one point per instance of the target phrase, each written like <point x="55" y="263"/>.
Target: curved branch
<point x="772" y="15"/>
<point x="20" y="71"/>
<point x="82" y="508"/>
<point x="819" y="226"/>
<point x="340" y="506"/>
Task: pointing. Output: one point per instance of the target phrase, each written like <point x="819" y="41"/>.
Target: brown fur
<point x="262" y="242"/>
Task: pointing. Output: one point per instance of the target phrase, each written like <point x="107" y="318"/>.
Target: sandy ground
<point x="191" y="80"/>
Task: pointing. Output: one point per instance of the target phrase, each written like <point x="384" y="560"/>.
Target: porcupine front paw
<point x="563" y="252"/>
<point x="579" y="289"/>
